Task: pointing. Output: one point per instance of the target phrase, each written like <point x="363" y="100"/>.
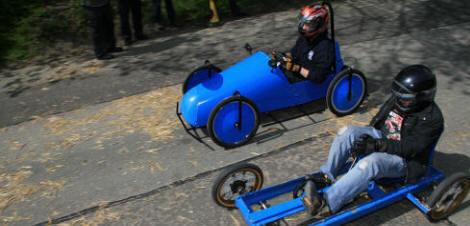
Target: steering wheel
<point x="277" y="58"/>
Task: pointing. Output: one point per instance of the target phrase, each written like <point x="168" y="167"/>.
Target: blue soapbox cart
<point x="228" y="103"/>
<point x="240" y="186"/>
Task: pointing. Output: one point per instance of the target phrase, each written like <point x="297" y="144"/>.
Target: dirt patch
<point x="14" y="189"/>
<point x="151" y="113"/>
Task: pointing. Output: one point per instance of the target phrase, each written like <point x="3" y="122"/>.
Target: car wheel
<point x="448" y="196"/>
<point x="346" y="92"/>
<point x="233" y="122"/>
<point x="235" y="181"/>
<point x="199" y="75"/>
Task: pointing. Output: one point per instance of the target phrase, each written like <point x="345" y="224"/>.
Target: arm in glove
<point x="284" y="60"/>
<point x="366" y="144"/>
<point x="290" y="66"/>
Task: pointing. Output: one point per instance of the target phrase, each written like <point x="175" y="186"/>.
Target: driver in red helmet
<point x="313" y="54"/>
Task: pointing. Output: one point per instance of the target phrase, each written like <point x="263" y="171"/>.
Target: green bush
<point x="28" y="25"/>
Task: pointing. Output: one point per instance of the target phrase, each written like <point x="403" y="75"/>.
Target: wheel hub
<point x="238" y="186"/>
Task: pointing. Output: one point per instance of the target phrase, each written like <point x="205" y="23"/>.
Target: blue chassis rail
<point x="379" y="199"/>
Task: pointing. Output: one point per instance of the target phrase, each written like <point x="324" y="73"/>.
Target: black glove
<point x="366" y="144"/>
<point x="284" y="60"/>
<point x="276" y="59"/>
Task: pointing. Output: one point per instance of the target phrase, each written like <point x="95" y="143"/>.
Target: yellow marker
<point x="215" y="15"/>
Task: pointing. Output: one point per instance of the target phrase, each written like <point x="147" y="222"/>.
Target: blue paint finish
<point x="339" y="63"/>
<point x="423" y="208"/>
<point x="375" y="191"/>
<point x="200" y="76"/>
<point x="227" y="119"/>
<point x="341" y="99"/>
<point x="380" y="199"/>
<point x="277" y="212"/>
<point x="254" y="79"/>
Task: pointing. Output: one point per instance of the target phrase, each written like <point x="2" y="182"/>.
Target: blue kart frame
<point x="228" y="103"/>
<point x="444" y="200"/>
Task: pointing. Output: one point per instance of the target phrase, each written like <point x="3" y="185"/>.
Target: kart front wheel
<point x="346" y="92"/>
<point x="199" y="75"/>
<point x="235" y="181"/>
<point x="448" y="196"/>
<point x="233" y="122"/>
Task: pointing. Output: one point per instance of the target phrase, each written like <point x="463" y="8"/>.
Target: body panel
<point x="254" y="79"/>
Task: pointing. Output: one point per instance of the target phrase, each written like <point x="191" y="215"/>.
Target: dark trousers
<point x="135" y="8"/>
<point x="234" y="7"/>
<point x="100" y="20"/>
<point x="170" y="11"/>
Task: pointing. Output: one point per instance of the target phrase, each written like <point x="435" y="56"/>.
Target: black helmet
<point x="414" y="87"/>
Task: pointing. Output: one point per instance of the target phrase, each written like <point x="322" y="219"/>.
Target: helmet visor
<point x="404" y="97"/>
<point x="309" y="24"/>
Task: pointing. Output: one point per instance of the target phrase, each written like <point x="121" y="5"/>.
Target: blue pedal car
<point x="240" y="186"/>
<point x="228" y="103"/>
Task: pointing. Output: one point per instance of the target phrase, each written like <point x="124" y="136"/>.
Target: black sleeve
<point x="424" y="134"/>
<point x="384" y="110"/>
<point x="295" y="49"/>
<point x="321" y="66"/>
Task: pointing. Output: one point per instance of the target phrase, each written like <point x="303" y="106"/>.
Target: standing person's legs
<point x="374" y="166"/>
<point x="340" y="149"/>
<point x="170" y="11"/>
<point x="108" y="24"/>
<point x="124" y="19"/>
<point x="136" y="7"/>
<point x="97" y="30"/>
<point x="157" y="11"/>
<point x="236" y="12"/>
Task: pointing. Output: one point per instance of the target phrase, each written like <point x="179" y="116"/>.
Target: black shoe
<point x="105" y="57"/>
<point x="141" y="37"/>
<point x="321" y="180"/>
<point x="127" y="41"/>
<point x="115" y="50"/>
<point x="314" y="203"/>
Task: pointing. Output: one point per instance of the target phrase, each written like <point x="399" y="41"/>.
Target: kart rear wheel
<point x="346" y="92"/>
<point x="233" y="122"/>
<point x="448" y="196"/>
<point x="199" y="75"/>
<point x="235" y="181"/>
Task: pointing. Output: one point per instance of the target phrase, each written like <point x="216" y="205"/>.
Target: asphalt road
<point x="166" y="61"/>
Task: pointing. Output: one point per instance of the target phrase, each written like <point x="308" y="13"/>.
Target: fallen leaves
<point x="151" y="113"/>
<point x="14" y="188"/>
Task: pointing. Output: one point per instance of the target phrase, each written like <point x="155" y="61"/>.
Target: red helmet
<point x="313" y="20"/>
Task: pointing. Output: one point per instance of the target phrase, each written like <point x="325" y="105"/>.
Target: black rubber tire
<point x="435" y="214"/>
<point x="220" y="180"/>
<point x="336" y="79"/>
<point x="188" y="78"/>
<point x="214" y="111"/>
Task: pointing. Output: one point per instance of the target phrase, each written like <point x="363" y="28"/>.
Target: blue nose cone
<point x="189" y="106"/>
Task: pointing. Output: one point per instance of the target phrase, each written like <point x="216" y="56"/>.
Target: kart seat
<point x="425" y="172"/>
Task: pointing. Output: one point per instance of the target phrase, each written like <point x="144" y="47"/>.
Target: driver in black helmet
<point x="395" y="144"/>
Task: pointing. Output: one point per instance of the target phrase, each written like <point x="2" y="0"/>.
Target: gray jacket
<point x="94" y="3"/>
